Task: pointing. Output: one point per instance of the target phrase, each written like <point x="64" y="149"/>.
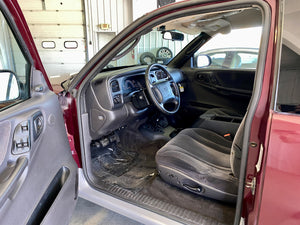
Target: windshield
<point x="152" y="48"/>
<point x="237" y="49"/>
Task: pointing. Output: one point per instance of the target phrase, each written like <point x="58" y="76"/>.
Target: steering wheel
<point x="162" y="89"/>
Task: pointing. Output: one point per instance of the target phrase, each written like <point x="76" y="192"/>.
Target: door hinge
<point x="251" y="185"/>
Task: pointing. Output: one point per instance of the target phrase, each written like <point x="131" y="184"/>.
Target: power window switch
<point x="24" y="128"/>
<point x="19" y="145"/>
<point x="25" y="144"/>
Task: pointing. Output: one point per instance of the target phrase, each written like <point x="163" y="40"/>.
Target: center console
<point x="219" y="124"/>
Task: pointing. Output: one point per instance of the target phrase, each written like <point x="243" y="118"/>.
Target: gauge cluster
<point x="133" y="83"/>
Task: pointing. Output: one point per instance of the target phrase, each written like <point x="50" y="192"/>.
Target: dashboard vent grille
<point x="115" y="86"/>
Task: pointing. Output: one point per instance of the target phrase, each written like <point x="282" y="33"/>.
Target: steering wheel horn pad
<point x="163" y="92"/>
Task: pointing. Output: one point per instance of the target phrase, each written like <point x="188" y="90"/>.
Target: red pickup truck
<point x="183" y="142"/>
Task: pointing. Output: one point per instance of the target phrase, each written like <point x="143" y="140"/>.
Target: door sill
<point x="124" y="208"/>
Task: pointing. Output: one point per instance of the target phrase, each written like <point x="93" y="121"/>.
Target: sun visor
<point x="196" y="27"/>
<point x="217" y="26"/>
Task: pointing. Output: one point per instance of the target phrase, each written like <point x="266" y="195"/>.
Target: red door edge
<point x="260" y="126"/>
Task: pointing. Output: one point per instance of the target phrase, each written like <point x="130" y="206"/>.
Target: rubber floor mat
<point x="219" y="211"/>
<point x="127" y="169"/>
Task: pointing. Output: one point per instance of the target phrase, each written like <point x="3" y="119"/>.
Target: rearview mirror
<point x="203" y="61"/>
<point x="9" y="86"/>
<point x="172" y="35"/>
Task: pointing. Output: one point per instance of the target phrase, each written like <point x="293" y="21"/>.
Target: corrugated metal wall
<point x="57" y="24"/>
<point x="151" y="42"/>
<point x="116" y="14"/>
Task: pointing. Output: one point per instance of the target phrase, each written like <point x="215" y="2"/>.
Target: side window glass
<point x="217" y="59"/>
<point x="14" y="68"/>
<point x="248" y="60"/>
<point x="235" y="50"/>
<point x="288" y="94"/>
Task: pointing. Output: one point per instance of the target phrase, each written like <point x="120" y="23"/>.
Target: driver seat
<point x="203" y="162"/>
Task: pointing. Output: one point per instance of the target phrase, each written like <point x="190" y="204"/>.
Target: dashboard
<point x="123" y="87"/>
<point x="133" y="83"/>
<point x="116" y="98"/>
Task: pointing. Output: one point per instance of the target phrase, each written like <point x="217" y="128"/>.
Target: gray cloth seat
<point x="203" y="162"/>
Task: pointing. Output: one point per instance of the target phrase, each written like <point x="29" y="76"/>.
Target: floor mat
<point x="222" y="212"/>
<point x="133" y="177"/>
<point x="127" y="169"/>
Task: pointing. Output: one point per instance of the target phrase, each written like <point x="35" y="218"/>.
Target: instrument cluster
<point x="134" y="83"/>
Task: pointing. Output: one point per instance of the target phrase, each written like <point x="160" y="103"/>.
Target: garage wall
<point x="104" y="20"/>
<point x="83" y="25"/>
<point x="57" y="27"/>
<point x="88" y="23"/>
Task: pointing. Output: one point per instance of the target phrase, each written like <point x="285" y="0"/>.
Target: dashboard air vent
<point x="115" y="86"/>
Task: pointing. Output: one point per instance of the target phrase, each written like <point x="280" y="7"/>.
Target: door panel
<point x="207" y="89"/>
<point x="237" y="83"/>
<point x="36" y="163"/>
<point x="37" y="171"/>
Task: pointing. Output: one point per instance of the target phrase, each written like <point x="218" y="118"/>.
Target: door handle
<point x="10" y="180"/>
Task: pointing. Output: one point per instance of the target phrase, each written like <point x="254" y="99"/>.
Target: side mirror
<point x="172" y="35"/>
<point x="9" y="86"/>
<point x="203" y="61"/>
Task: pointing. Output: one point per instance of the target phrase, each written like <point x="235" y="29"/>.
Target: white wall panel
<point x="51" y="5"/>
<point x="116" y="13"/>
<point x="120" y="16"/>
<point x="62" y="69"/>
<point x="57" y="31"/>
<point x="141" y="7"/>
<point x="57" y="21"/>
<point x="31" y="5"/>
<point x="66" y="5"/>
<point x="53" y="17"/>
<point x="60" y="44"/>
<point x="107" y="11"/>
<point x="60" y="20"/>
<point x="58" y="57"/>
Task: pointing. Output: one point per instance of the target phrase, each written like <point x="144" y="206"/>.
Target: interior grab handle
<point x="8" y="184"/>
